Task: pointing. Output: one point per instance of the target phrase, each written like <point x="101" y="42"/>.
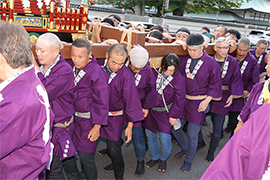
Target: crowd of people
<point x="76" y="103"/>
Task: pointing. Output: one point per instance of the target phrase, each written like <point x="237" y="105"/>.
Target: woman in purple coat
<point x="170" y="87"/>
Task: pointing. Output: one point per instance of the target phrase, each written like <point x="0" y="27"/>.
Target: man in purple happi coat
<point x="259" y="53"/>
<point x="232" y="87"/>
<point x="203" y="84"/>
<point x="25" y="114"/>
<point x="247" y="153"/>
<point x="258" y="97"/>
<point x="58" y="79"/>
<point x="123" y="98"/>
<point x="250" y="76"/>
<point x="91" y="101"/>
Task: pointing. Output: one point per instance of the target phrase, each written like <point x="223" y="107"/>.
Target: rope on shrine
<point x="127" y="33"/>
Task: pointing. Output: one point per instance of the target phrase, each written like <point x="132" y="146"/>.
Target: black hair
<point x="195" y="39"/>
<point x="82" y="43"/>
<point x="169" y="60"/>
<point x="119" y="49"/>
<point x="183" y="29"/>
<point x="235" y="33"/>
<point x="109" y="21"/>
<point x="206" y="28"/>
<point x="116" y="17"/>
<point x="157" y="27"/>
<point x="156" y="34"/>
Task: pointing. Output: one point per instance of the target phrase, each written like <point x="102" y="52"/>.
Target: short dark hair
<point x="206" y="28"/>
<point x="169" y="60"/>
<point x="195" y="39"/>
<point x="119" y="49"/>
<point x="82" y="43"/>
<point x="156" y="34"/>
<point x="157" y="27"/>
<point x="109" y="21"/>
<point x="15" y="45"/>
<point x="235" y="33"/>
<point x="183" y="29"/>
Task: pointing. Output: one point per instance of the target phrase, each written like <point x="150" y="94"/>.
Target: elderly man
<point x="91" y="100"/>
<point x="259" y="53"/>
<point x="203" y="84"/>
<point x="24" y="108"/>
<point x="250" y="76"/>
<point x="58" y="78"/>
<point x="231" y="88"/>
<point x="124" y="99"/>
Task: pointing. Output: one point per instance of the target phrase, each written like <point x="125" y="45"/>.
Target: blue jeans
<point x="138" y="141"/>
<point x="217" y="120"/>
<point x="166" y="145"/>
<point x="190" y="142"/>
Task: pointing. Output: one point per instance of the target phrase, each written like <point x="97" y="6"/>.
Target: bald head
<point x="51" y="39"/>
<point x="47" y="49"/>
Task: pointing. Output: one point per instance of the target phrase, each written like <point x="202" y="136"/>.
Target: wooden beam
<point x="99" y="50"/>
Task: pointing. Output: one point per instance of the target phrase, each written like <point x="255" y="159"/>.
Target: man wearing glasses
<point x="259" y="53"/>
<point x="250" y="76"/>
<point x="231" y="88"/>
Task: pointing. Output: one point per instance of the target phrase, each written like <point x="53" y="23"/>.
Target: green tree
<point x="178" y="7"/>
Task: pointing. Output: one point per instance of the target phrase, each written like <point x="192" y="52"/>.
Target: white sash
<point x="225" y="69"/>
<point x="260" y="59"/>
<point x="112" y="76"/>
<point x="195" y="70"/>
<point x="137" y="78"/>
<point x="164" y="83"/>
<point x="79" y="76"/>
<point x="243" y="67"/>
<point x="261" y="99"/>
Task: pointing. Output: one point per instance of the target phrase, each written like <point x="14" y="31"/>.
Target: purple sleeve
<point x="100" y="105"/>
<point x="215" y="81"/>
<point x="236" y="84"/>
<point x="177" y="108"/>
<point x="150" y="98"/>
<point x="245" y="112"/>
<point x="246" y="155"/>
<point x="133" y="108"/>
<point x="57" y="82"/>
<point x="255" y="76"/>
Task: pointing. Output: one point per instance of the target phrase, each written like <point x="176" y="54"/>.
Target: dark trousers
<point x="217" y="121"/>
<point x="115" y="153"/>
<point x="88" y="166"/>
<point x="232" y="121"/>
<point x="56" y="169"/>
<point x="189" y="142"/>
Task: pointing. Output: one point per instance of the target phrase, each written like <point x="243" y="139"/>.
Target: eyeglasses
<point x="224" y="47"/>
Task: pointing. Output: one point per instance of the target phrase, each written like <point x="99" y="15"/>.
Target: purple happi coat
<point x="247" y="153"/>
<point x="26" y="122"/>
<point x="250" y="76"/>
<point x="207" y="81"/>
<point x="123" y="96"/>
<point x="174" y="92"/>
<point x="261" y="60"/>
<point x="255" y="100"/>
<point x="59" y="84"/>
<point x="145" y="84"/>
<point x="91" y="95"/>
<point x="231" y="78"/>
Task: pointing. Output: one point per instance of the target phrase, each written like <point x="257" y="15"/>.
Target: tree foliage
<point x="178" y="7"/>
